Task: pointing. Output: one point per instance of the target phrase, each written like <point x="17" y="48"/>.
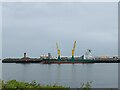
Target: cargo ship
<point x="79" y="61"/>
<point x="55" y="61"/>
<point x="49" y="59"/>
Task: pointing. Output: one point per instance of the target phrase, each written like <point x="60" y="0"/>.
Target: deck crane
<point x="58" y="50"/>
<point x="73" y="50"/>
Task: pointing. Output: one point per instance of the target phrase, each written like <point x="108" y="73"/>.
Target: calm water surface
<point x="0" y="69"/>
<point x="72" y="75"/>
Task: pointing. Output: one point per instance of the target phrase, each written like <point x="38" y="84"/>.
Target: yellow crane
<point x="58" y="51"/>
<point x="73" y="50"/>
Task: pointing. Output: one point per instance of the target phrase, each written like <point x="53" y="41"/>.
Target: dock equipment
<point x="58" y="50"/>
<point x="88" y="54"/>
<point x="73" y="50"/>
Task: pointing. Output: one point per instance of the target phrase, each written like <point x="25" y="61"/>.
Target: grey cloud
<point x="36" y="27"/>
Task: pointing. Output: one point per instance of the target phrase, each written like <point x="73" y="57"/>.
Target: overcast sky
<point x="0" y="41"/>
<point x="36" y="27"/>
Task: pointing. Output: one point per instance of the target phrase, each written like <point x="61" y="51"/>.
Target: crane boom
<point x="58" y="50"/>
<point x="73" y="50"/>
<point x="74" y="45"/>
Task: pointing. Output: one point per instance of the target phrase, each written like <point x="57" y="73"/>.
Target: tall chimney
<point x="24" y="55"/>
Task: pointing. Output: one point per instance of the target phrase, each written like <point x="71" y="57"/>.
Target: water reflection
<point x="102" y="75"/>
<point x="0" y="69"/>
<point x="0" y="74"/>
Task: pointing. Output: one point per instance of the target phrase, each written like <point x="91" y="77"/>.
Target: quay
<point x="55" y="61"/>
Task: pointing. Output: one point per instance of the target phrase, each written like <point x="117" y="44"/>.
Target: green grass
<point x="86" y="86"/>
<point x="17" y="85"/>
<point x="0" y="84"/>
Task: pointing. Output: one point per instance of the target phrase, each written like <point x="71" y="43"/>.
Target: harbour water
<point x="70" y="75"/>
<point x="0" y="69"/>
<point x="0" y="74"/>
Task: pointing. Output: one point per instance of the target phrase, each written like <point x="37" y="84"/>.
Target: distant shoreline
<point x="55" y="61"/>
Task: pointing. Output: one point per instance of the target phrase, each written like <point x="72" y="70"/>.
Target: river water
<point x="0" y="74"/>
<point x="70" y="75"/>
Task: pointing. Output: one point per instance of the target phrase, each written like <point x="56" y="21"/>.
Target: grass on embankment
<point x="17" y="85"/>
